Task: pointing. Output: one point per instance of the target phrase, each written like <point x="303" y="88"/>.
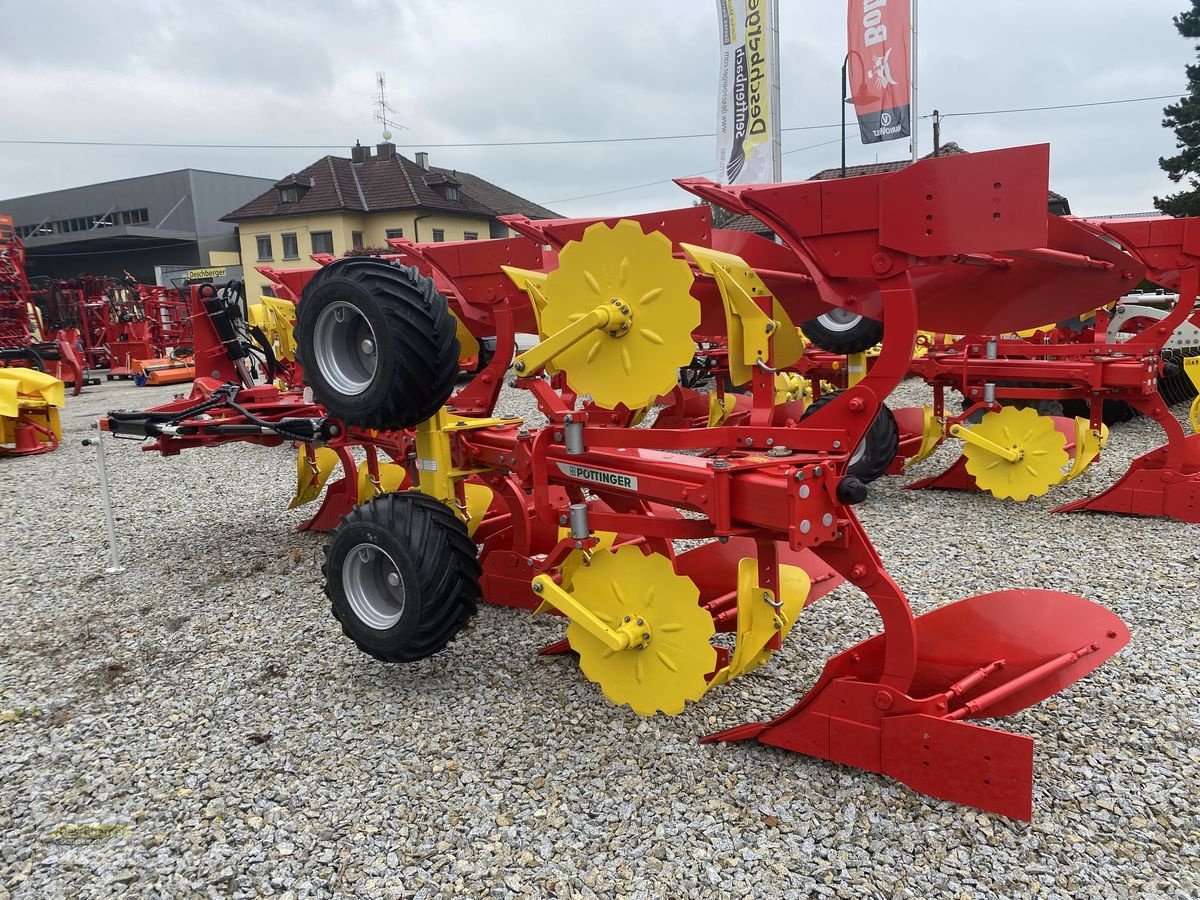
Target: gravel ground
<point x="206" y="705"/>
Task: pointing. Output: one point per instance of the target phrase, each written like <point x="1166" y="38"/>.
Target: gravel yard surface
<point x="204" y="708"/>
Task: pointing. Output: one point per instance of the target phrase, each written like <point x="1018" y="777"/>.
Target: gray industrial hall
<point x="132" y="225"/>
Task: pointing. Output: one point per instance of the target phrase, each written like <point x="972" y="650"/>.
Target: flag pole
<point x="776" y="129"/>
<point x="914" y="124"/>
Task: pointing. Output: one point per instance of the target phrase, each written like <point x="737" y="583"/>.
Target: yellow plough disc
<point x="625" y="587"/>
<point x="1015" y="453"/>
<point x="632" y="364"/>
<point x="1194" y="415"/>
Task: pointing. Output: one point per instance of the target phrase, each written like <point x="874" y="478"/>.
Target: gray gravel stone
<point x="205" y="703"/>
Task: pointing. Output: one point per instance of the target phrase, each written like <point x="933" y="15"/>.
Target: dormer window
<point x="289" y="195"/>
<point x="451" y="192"/>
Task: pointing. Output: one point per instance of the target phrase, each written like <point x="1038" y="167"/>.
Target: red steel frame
<point x="897" y="703"/>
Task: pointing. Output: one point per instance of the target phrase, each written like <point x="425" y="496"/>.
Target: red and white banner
<point x="878" y="41"/>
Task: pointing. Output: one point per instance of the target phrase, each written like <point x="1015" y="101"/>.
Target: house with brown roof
<point x="338" y="204"/>
<point x="1056" y="203"/>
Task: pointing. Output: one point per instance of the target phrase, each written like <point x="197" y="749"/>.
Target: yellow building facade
<point x="290" y="243"/>
<point x="338" y="204"/>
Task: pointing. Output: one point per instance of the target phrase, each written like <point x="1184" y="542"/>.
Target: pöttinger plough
<point x="583" y="515"/>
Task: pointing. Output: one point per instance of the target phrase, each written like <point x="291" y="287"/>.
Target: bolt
<point x="393" y="579"/>
<point x="805" y="490"/>
<point x="368" y="347"/>
<point x="520" y="365"/>
<point x="857" y="404"/>
<point x="624" y="326"/>
<point x="799" y="476"/>
<point x="641" y="622"/>
<point x="720" y="464"/>
<point x="837" y="445"/>
<point x="537" y="585"/>
<point x="858" y="570"/>
<point x="770" y="441"/>
<point x="827" y="519"/>
<point x="628" y="619"/>
<point x="724" y="539"/>
<point x="818" y="471"/>
<point x="645" y="636"/>
<point x="558" y="437"/>
<point x="883" y="700"/>
<point x="805" y="526"/>
<point x="749" y="442"/>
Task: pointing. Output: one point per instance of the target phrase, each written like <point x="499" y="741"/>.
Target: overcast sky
<point x="461" y="71"/>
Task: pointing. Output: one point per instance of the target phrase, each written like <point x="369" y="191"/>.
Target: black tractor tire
<point x="843" y="332"/>
<point x="377" y="343"/>
<point x="872" y="457"/>
<point x="1174" y="384"/>
<point x="401" y="576"/>
<point x="1115" y="412"/>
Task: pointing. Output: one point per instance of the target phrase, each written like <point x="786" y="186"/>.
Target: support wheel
<point x="841" y="331"/>
<point x="874" y="454"/>
<point x="402" y="576"/>
<point x="377" y="343"/>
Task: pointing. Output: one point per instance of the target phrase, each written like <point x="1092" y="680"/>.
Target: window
<point x="289" y="195"/>
<point x="451" y="192"/>
<point x="264" y="247"/>
<point x="322" y="242"/>
<point x="291" y="246"/>
<point x="356" y="240"/>
<point x="470" y="235"/>
<point x="439" y="234"/>
<point x="395" y="232"/>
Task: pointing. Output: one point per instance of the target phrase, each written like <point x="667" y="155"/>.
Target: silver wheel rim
<point x="839" y="320"/>
<point x="859" y="452"/>
<point x="345" y="348"/>
<point x="373" y="586"/>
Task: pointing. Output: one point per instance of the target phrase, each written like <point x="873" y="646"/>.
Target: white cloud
<point x="481" y="71"/>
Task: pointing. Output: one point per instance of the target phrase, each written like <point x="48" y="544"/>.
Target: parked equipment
<point x="454" y="503"/>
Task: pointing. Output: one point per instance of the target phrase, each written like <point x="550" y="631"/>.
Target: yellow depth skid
<point x="1088" y="444"/>
<point x="313" y="467"/>
<point x="760" y="616"/>
<point x="933" y="430"/>
<point x="753" y="336"/>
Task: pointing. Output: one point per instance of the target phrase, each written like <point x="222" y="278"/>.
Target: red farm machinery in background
<point x="731" y="512"/>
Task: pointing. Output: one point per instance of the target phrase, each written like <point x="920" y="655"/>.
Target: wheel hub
<point x="373" y="586"/>
<point x="839" y="319"/>
<point x="344" y="348"/>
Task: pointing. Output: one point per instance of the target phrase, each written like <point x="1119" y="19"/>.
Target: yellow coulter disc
<point x="1042" y="454"/>
<point x="637" y="364"/>
<point x="671" y="668"/>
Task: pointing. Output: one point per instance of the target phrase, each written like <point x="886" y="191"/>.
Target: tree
<point x="1184" y="118"/>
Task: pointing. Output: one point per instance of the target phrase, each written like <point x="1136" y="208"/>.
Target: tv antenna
<point x="382" y="107"/>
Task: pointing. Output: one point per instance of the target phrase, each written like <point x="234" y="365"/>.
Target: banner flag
<point x="748" y="92"/>
<point x="878" y="41"/>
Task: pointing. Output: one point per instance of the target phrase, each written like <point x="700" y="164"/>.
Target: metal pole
<point x="776" y="125"/>
<point x="114" y="559"/>
<point x="913" y="111"/>
<point x="845" y="60"/>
